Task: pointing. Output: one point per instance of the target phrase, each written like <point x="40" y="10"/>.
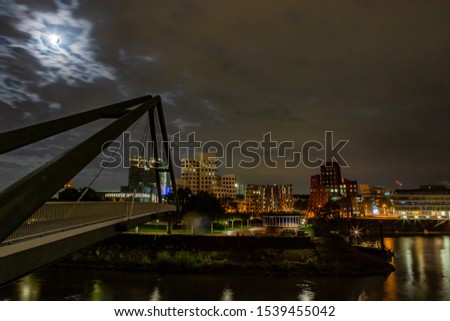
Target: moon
<point x="54" y="39"/>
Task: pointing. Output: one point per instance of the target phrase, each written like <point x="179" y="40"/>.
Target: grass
<point x="168" y="260"/>
<point x="329" y="256"/>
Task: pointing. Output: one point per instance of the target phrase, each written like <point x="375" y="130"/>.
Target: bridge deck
<point x="59" y="229"/>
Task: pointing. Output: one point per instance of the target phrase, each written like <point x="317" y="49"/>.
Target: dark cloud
<point x="56" y="48"/>
<point x="375" y="73"/>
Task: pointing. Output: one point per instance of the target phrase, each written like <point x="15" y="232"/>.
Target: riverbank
<point x="237" y="255"/>
<point x="392" y="227"/>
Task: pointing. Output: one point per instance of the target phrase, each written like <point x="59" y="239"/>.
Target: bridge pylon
<point x="23" y="198"/>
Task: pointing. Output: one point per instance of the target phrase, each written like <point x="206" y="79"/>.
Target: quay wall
<point x="391" y="227"/>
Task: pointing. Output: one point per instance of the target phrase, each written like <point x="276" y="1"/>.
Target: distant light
<point x="54" y="40"/>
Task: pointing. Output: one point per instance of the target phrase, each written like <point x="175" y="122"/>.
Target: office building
<point x="201" y="174"/>
<point x="428" y="201"/>
<point x="330" y="186"/>
<point x="273" y="198"/>
<point x="142" y="179"/>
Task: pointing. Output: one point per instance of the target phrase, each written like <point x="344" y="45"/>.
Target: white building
<point x="432" y="201"/>
<point x="201" y="174"/>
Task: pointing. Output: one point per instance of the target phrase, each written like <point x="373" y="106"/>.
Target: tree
<point x="90" y="195"/>
<point x="72" y="195"/>
<point x="229" y="205"/>
<point x="330" y="210"/>
<point x="367" y="204"/>
<point x="385" y="203"/>
<point x="323" y="215"/>
<point x="69" y="195"/>
<point x="184" y="196"/>
<point x="301" y="205"/>
<point x="204" y="204"/>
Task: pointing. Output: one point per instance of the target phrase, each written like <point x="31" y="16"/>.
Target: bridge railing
<point x="55" y="217"/>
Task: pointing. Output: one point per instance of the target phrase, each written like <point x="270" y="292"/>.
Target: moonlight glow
<point x="54" y="40"/>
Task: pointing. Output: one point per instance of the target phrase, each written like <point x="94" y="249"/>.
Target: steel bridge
<point x="34" y="232"/>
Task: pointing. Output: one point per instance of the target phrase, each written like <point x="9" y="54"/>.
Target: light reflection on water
<point x="29" y="288"/>
<point x="423" y="273"/>
<point x="444" y="258"/>
<point x="97" y="291"/>
<point x="156" y="295"/>
<point x="305" y="294"/>
<point x="423" y="266"/>
<point x="227" y="294"/>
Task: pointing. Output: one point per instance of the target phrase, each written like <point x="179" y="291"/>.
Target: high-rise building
<point x="278" y="198"/>
<point x="201" y="174"/>
<point x="330" y="176"/>
<point x="142" y="178"/>
<point x="254" y="201"/>
<point x="331" y="186"/>
<point x="226" y="186"/>
<point x="274" y="198"/>
<point x="319" y="194"/>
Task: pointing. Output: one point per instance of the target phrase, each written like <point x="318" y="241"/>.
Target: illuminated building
<point x="201" y="174"/>
<point x="254" y="199"/>
<point x="318" y="196"/>
<point x="375" y="200"/>
<point x="268" y="199"/>
<point x="69" y="184"/>
<point x="331" y="186"/>
<point x="330" y="176"/>
<point x="225" y="187"/>
<point x="278" y="198"/>
<point x="280" y="223"/>
<point x="429" y="201"/>
<point x="142" y="179"/>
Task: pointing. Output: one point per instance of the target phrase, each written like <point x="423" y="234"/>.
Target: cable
<point x="102" y="167"/>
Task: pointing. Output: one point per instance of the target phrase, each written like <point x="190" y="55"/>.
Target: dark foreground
<point x="238" y="255"/>
<point x="422" y="273"/>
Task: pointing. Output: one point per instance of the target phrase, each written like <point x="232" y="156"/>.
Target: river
<point x="422" y="273"/>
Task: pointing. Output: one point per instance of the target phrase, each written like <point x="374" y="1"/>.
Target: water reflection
<point x="422" y="263"/>
<point x="363" y="296"/>
<point x="29" y="288"/>
<point x="444" y="257"/>
<point x="156" y="295"/>
<point x="391" y="284"/>
<point x="227" y="294"/>
<point x="97" y="291"/>
<point x="306" y="293"/>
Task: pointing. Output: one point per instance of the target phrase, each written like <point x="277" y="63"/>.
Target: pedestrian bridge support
<point x="34" y="233"/>
<point x="60" y="229"/>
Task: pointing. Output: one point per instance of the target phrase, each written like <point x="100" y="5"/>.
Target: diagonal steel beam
<point x="24" y="136"/>
<point x="19" y="201"/>
<point x="152" y="122"/>
<point x="162" y="124"/>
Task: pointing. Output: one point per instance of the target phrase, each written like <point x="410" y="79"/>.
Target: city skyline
<point x="373" y="74"/>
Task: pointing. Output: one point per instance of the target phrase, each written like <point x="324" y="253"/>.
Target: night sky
<point x="376" y="73"/>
